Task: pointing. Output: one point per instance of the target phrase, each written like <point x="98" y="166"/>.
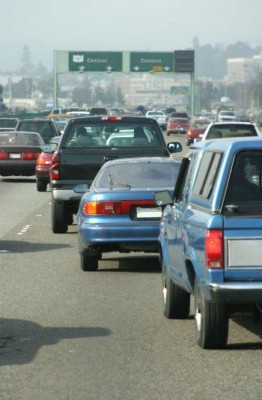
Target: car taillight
<point x="55" y="168"/>
<point x="107" y="207"/>
<point x="113" y="207"/>
<point x="4" y="155"/>
<point x="42" y="161"/>
<point x="214" y="249"/>
<point x="111" y="118"/>
<point x="30" y="155"/>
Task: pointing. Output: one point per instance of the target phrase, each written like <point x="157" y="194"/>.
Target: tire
<point x="41" y="186"/>
<point x="211" y="322"/>
<point x="69" y="218"/>
<point x="88" y="262"/>
<point x="175" y="300"/>
<point x="58" y="217"/>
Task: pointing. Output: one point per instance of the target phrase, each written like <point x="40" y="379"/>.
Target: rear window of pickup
<point x="101" y="134"/>
<point x="244" y="195"/>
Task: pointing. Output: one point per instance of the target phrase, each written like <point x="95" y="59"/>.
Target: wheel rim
<point x="198" y="318"/>
<point x="164" y="294"/>
<point x="164" y="288"/>
<point x="198" y="315"/>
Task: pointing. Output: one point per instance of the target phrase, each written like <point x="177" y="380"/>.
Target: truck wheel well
<point x="191" y="274"/>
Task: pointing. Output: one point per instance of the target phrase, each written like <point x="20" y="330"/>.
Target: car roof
<point x="113" y="118"/>
<point x="226" y="143"/>
<point x="231" y="123"/>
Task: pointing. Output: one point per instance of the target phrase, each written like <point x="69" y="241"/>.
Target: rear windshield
<point x="139" y="175"/>
<point x="21" y="139"/>
<point x="8" y="123"/>
<point x="244" y="196"/>
<point x="227" y="131"/>
<point x="179" y="120"/>
<point x="42" y="127"/>
<point x="111" y="134"/>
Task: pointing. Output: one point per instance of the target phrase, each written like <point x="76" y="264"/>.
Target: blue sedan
<point x="119" y="213"/>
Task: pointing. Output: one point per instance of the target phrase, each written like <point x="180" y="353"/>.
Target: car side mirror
<point x="174" y="147"/>
<point x="81" y="188"/>
<point x="47" y="148"/>
<point x="50" y="148"/>
<point x="163" y="198"/>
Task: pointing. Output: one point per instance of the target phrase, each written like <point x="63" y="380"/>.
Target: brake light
<point x="107" y="207"/>
<point x="214" y="249"/>
<point x="4" y="155"/>
<point x="55" y="168"/>
<point x="113" y="207"/>
<point x="111" y="118"/>
<point x="43" y="161"/>
<point x="30" y="155"/>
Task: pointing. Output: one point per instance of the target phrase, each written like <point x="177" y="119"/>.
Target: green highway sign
<point x="179" y="90"/>
<point x="151" y="62"/>
<point x="95" y="61"/>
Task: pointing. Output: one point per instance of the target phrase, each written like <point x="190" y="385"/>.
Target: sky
<point x="120" y="25"/>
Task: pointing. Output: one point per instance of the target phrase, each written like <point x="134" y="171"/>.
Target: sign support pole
<point x="55" y="102"/>
<point x="192" y="91"/>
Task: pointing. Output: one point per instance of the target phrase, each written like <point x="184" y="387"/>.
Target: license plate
<point x="143" y="212"/>
<point x="14" y="155"/>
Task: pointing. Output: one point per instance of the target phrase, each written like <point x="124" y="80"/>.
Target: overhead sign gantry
<point x="179" y="61"/>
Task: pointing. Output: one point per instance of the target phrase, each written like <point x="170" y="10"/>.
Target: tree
<point x="26" y="62"/>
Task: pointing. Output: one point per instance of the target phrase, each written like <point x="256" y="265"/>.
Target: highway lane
<point x="66" y="334"/>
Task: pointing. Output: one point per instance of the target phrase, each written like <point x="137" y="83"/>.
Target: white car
<point x="159" y="116"/>
<point x="226" y="116"/>
<point x="220" y="130"/>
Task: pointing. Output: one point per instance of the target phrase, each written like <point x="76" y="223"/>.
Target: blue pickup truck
<point x="210" y="240"/>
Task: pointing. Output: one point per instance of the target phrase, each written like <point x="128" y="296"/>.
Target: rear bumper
<point x="18" y="168"/>
<point x="65" y="195"/>
<point x="234" y="293"/>
<point x="42" y="174"/>
<point x="133" y="235"/>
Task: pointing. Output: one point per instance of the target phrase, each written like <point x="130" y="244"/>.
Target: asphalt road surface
<point x="67" y="334"/>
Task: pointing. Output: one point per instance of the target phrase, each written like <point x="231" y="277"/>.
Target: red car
<point x="177" y="125"/>
<point x="196" y="128"/>
<point x="43" y="164"/>
<point x="19" y="152"/>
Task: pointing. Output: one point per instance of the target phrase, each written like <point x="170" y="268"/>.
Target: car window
<point x="146" y="174"/>
<point x="183" y="182"/>
<point x="8" y="123"/>
<point x="21" y="139"/>
<point x="226" y="131"/>
<point x="101" y="134"/>
<point x="42" y="127"/>
<point x="245" y="184"/>
<point x="207" y="173"/>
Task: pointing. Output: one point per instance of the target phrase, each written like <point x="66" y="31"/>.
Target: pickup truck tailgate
<point x="243" y="248"/>
<point x="84" y="164"/>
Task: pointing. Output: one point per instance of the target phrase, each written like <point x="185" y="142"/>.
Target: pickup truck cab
<point x="86" y="144"/>
<point x="210" y="240"/>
